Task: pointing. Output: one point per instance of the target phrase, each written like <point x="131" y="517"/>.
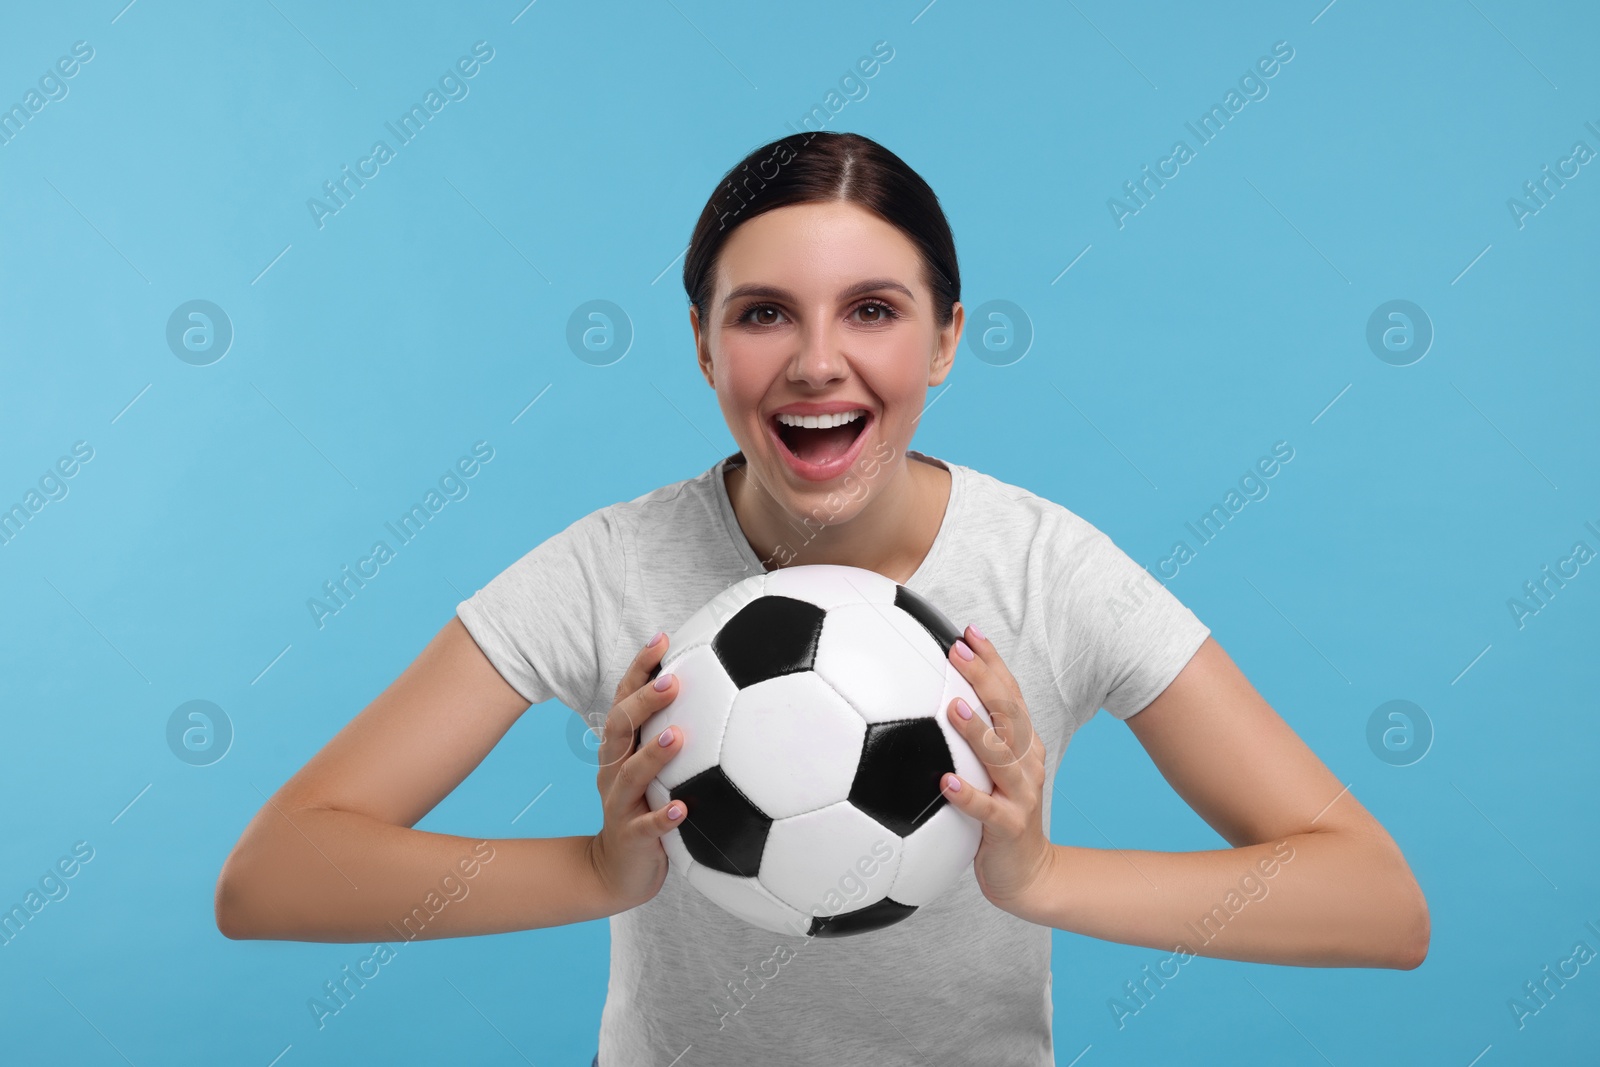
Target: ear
<point x="702" y="346"/>
<point x="944" y="355"/>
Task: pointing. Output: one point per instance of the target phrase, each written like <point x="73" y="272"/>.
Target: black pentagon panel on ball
<point x="768" y="637"/>
<point x="897" y="782"/>
<point x="722" y="829"/>
<point x="885" y="912"/>
<point x="931" y="618"/>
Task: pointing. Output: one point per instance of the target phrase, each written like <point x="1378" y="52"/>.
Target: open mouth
<point x="821" y="445"/>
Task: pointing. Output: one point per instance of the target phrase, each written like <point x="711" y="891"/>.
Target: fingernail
<point x="666" y="737"/>
<point x="952" y="783"/>
<point x="962" y="709"/>
<point x="656" y="639"/>
<point x="976" y="632"/>
<point x="661" y="682"/>
<point x="962" y="650"/>
<point x="675" y="813"/>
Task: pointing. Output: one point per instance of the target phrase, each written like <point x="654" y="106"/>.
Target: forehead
<point x="821" y="245"/>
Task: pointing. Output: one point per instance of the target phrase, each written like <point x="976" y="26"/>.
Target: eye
<point x="877" y="311"/>
<point x="757" y="315"/>
<point x="872" y="312"/>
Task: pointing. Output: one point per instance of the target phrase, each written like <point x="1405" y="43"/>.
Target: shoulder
<point x="1015" y="535"/>
<point x="689" y="500"/>
<point x="1000" y="504"/>
<point x="685" y="491"/>
<point x="675" y="513"/>
<point x="685" y="494"/>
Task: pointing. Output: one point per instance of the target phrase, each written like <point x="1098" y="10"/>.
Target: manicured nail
<point x="976" y="632"/>
<point x="656" y="639"/>
<point x="962" y="709"/>
<point x="952" y="783"/>
<point x="666" y="737"/>
<point x="962" y="650"/>
<point x="675" y="812"/>
<point x="661" y="682"/>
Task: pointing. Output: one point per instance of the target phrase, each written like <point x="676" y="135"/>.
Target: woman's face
<point x="822" y="305"/>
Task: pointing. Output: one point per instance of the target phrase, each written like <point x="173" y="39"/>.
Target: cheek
<point x="742" y="381"/>
<point x="902" y="379"/>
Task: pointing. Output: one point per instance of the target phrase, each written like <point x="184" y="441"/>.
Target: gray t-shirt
<point x="1080" y="625"/>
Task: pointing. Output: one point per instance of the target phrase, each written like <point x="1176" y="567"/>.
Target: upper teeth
<point x="821" y="422"/>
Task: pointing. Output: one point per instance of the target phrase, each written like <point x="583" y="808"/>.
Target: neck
<point x="896" y="516"/>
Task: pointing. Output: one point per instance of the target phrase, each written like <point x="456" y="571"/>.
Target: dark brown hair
<point x="821" y="167"/>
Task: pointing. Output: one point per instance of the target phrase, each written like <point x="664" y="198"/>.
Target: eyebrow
<point x="776" y="293"/>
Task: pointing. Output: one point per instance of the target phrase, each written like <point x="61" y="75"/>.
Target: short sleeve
<point x="1125" y="631"/>
<point x="546" y="621"/>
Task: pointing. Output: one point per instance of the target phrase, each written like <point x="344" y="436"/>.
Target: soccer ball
<point x="812" y="702"/>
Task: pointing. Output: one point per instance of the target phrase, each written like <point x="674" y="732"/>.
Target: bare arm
<point x="332" y="856"/>
<point x="1313" y="878"/>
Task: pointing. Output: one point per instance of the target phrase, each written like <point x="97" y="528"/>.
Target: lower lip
<point x="822" y="472"/>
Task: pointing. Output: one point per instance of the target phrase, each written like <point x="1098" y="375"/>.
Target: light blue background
<point x="370" y="354"/>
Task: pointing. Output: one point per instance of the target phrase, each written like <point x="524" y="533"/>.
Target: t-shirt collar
<point x="919" y="580"/>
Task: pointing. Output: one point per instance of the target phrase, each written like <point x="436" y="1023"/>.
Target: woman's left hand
<point x="1015" y="858"/>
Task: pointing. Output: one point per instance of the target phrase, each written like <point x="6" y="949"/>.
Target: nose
<point x="819" y="359"/>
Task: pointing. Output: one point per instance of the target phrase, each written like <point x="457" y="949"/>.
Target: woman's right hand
<point x="626" y="854"/>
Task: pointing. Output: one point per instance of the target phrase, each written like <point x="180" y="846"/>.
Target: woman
<point x="822" y="279"/>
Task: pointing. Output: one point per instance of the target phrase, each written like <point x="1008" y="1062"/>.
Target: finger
<point x="981" y="666"/>
<point x="985" y="669"/>
<point x="662" y="821"/>
<point x="990" y="746"/>
<point x="619" y="734"/>
<point x="644" y="666"/>
<point x="637" y="771"/>
<point x="968" y="798"/>
<point x="986" y="651"/>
